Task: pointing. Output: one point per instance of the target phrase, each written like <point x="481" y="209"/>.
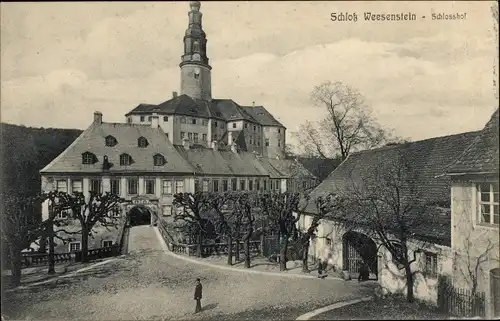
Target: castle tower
<point x="195" y="70"/>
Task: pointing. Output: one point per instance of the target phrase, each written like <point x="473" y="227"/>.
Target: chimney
<point x="174" y="94"/>
<point x="97" y="117"/>
<point x="185" y="143"/>
<point x="214" y="145"/>
<point x="253" y="103"/>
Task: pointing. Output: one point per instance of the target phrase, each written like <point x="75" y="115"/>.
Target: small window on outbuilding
<point x="111" y="141"/>
<point x="142" y="142"/>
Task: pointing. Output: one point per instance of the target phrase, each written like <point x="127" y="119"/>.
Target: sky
<point x="62" y="61"/>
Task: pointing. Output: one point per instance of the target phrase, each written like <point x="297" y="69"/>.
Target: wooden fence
<point x="460" y="302"/>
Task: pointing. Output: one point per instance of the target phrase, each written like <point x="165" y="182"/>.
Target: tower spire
<point x="195" y="69"/>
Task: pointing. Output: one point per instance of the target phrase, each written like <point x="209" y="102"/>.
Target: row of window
<point x="89" y="158"/>
<point x="115" y="188"/>
<point x="195" y="137"/>
<point x="224" y="185"/>
<point x="172" y="186"/>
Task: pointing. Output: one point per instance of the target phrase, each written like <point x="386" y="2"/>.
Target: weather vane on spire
<point x="195" y="5"/>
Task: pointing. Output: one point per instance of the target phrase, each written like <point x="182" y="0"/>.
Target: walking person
<point x="197" y="295"/>
<point x="320" y="268"/>
<point x="364" y="272"/>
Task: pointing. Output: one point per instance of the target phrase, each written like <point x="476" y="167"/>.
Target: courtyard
<point x="151" y="284"/>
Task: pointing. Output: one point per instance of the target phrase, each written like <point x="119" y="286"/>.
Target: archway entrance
<point x="139" y="215"/>
<point x="357" y="248"/>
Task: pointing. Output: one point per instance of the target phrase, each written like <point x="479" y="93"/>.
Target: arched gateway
<point x="358" y="248"/>
<point x="142" y="211"/>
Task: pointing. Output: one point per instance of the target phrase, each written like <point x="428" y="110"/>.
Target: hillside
<point x="26" y="150"/>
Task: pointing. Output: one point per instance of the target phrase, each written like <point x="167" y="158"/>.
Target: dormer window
<point x="125" y="160"/>
<point x="193" y="121"/>
<point x="159" y="160"/>
<point x="88" y="158"/>
<point x="111" y="141"/>
<point x="234" y="125"/>
<point x="142" y="142"/>
<point x="165" y="118"/>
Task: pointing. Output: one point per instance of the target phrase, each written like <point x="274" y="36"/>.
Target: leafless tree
<point x="470" y="265"/>
<point x="348" y="125"/>
<point x="283" y="210"/>
<point x="246" y="204"/>
<point x="324" y="205"/>
<point x="385" y="202"/>
<point x="21" y="226"/>
<point x="222" y="204"/>
<point x="90" y="210"/>
<point x="189" y="209"/>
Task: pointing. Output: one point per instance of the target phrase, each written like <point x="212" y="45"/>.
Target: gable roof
<point x="427" y="158"/>
<point x="93" y="140"/>
<point x="482" y="154"/>
<point x="262" y="116"/>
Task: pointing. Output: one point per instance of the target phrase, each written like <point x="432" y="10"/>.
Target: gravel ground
<point x="382" y="309"/>
<point x="149" y="284"/>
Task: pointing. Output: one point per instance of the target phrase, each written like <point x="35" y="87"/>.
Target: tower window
<point x="142" y="142"/>
<point x="125" y="160"/>
<point x="165" y="118"/>
<point x="193" y="121"/>
<point x="88" y="158"/>
<point x="111" y="141"/>
<point x="196" y="46"/>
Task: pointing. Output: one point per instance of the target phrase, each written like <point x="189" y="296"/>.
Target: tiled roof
<point x="262" y="116"/>
<point x="222" y="162"/>
<point x="225" y="109"/>
<point x="427" y="158"/>
<point x="93" y="140"/>
<point x="482" y="154"/>
<point x="280" y="168"/>
<point x="230" y="110"/>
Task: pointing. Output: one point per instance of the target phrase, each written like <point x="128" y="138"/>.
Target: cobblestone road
<point x="149" y="284"/>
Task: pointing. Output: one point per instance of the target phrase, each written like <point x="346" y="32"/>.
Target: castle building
<point x="192" y="142"/>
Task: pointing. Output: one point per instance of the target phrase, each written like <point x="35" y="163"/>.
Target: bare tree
<point x="386" y="204"/>
<point x="283" y="211"/>
<point x="21" y="226"/>
<point x="348" y="125"/>
<point x="471" y="265"/>
<point x="246" y="204"/>
<point x="90" y="210"/>
<point x="324" y="205"/>
<point x="189" y="209"/>
<point x="221" y="203"/>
